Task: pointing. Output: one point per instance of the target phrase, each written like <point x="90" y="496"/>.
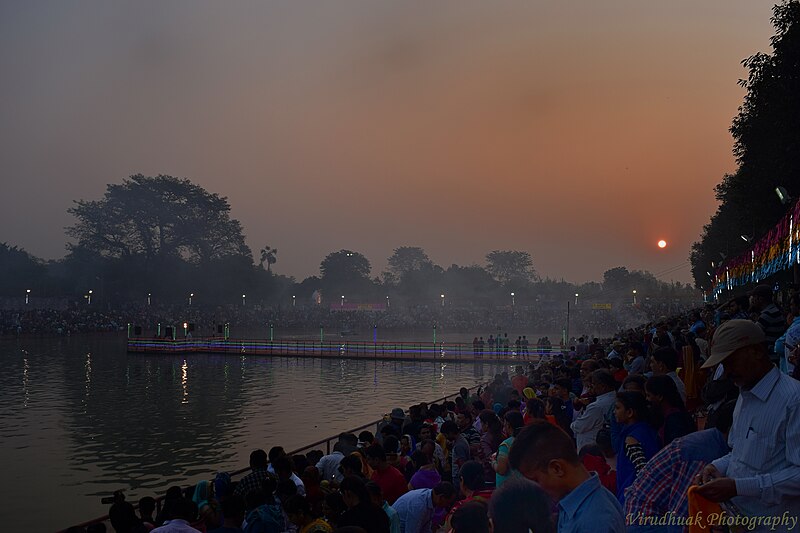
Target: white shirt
<point x="175" y="526"/>
<point x="679" y="384"/>
<point x="591" y="419"/>
<point x="765" y="456"/>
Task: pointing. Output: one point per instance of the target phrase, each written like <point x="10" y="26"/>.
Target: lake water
<point x="80" y="418"/>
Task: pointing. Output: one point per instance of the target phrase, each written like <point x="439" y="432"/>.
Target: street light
<point x="442" y="300"/>
<point x="89" y="297"/>
<point x="243" y="299"/>
<point x="512" y="299"/>
<point x="148" y="298"/>
<point x="342" y="305"/>
<point x="576" y="298"/>
<point x="634" y="296"/>
<point x="294" y="298"/>
<point x="191" y="295"/>
<point x="387" y="302"/>
<point x="27" y="295"/>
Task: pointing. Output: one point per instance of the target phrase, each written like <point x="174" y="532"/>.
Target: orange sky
<point x="581" y="132"/>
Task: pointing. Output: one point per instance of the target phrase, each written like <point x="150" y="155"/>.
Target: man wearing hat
<point x="761" y="474"/>
<point x="770" y="317"/>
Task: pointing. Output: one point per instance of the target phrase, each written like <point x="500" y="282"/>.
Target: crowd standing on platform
<point x="691" y="423"/>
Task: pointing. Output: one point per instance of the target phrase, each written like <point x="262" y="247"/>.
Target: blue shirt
<point x="590" y="507"/>
<point x="765" y="455"/>
<point x="415" y="509"/>
<point x="394" y="520"/>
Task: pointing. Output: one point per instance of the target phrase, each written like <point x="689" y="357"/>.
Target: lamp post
<point x="576" y="299"/>
<point x="512" y="300"/>
<point x="191" y="295"/>
<point x="243" y="299"/>
<point x="634" y="296"/>
<point x="342" y="304"/>
<point x="27" y="295"/>
<point x="185" y="329"/>
<point x="148" y="298"/>
<point x="89" y="297"/>
<point x="294" y="300"/>
<point x="387" y="302"/>
<point x="442" y="296"/>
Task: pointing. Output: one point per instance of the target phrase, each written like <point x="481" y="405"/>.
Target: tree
<point x="511" y="266"/>
<point x="766" y="146"/>
<point x="344" y="265"/>
<point x="270" y="256"/>
<point x="157" y="217"/>
<point x="21" y="271"/>
<point x="407" y="259"/>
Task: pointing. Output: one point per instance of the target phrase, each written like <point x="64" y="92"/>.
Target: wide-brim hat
<point x="398" y="413"/>
<point x="731" y="336"/>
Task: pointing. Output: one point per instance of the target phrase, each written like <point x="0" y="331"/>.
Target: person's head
<point x="286" y="489"/>
<point x="602" y="381"/>
<point x="490" y="423"/>
<point x="354" y="491"/>
<point x="333" y="506"/>
<point x="661" y="391"/>
<point x="275" y="452"/>
<point x="587" y="367"/>
<point x="428" y="447"/>
<point x="634" y="383"/>
<point x="513" y="422"/>
<point x="535" y="408"/>
<point x="476" y="407"/>
<point x="665" y="359"/>
<point x="472" y="517"/>
<point x="520" y="506"/>
<point x="233" y="509"/>
<point x="297" y="510"/>
<point x="546" y="454"/>
<point x="375" y="493"/>
<point x="631" y="407"/>
<point x="760" y="297"/>
<point x="420" y="459"/>
<point x="376" y="456"/>
<point x="310" y="476"/>
<point x="562" y="387"/>
<point x="405" y="444"/>
<point x="443" y="495"/>
<point x="471" y="477"/>
<point x="350" y="465"/>
<point x="741" y="346"/>
<point x="450" y="429"/>
<point x="365" y="438"/>
<point x="282" y="466"/>
<point x="147" y="506"/>
<point x="391" y="445"/>
<point x="425" y="432"/>
<point x="258" y="459"/>
<point x="464" y="420"/>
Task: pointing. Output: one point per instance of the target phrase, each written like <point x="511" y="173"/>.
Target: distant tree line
<point x="767" y="149"/>
<point x="169" y="238"/>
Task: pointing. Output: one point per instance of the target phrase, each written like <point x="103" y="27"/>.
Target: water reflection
<point x="87" y="419"/>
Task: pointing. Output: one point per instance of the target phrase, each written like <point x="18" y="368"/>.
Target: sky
<point x="581" y="132"/>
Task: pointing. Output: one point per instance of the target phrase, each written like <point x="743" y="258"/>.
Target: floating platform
<point x="386" y="350"/>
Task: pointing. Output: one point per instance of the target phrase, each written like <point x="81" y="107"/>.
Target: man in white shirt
<point x="761" y="474"/>
<point x="594" y="416"/>
<point x="664" y="362"/>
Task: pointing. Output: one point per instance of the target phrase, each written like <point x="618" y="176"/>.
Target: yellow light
<point x="662" y="243"/>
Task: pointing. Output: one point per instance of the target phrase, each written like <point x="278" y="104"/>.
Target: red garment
<point x="392" y="482"/>
<point x="519" y="382"/>
<point x="479" y="496"/>
<point x="608" y="477"/>
<point x="620" y="375"/>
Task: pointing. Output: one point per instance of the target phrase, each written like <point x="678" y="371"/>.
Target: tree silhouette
<point x="268" y="255"/>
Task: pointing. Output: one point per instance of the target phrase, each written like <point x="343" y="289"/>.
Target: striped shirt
<point x="661" y="487"/>
<point x="765" y="456"/>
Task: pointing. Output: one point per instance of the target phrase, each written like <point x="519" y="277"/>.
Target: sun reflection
<point x="88" y="369"/>
<point x="185" y="381"/>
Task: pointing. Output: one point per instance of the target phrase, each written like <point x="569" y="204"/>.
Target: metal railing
<point x="451" y="351"/>
<point x="326" y="441"/>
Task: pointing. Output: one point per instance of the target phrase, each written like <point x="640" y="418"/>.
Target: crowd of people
<point x="91" y="318"/>
<point x="687" y="424"/>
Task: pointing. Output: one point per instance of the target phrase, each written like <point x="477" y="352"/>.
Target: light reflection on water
<point x="79" y="418"/>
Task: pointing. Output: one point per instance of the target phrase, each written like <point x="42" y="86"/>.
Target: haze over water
<point x="79" y="418"/>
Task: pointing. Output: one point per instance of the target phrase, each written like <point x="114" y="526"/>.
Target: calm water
<point x="79" y="418"/>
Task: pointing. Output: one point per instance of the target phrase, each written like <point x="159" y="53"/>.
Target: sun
<point x="662" y="243"/>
